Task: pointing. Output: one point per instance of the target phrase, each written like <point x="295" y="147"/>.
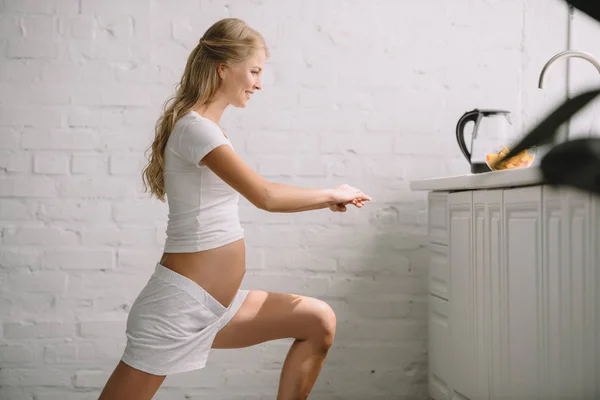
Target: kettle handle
<point x="460" y="134"/>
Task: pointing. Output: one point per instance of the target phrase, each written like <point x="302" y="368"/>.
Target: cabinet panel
<point x="439" y="271"/>
<point x="576" y="269"/>
<point x="522" y="232"/>
<point x="438" y="218"/>
<point x="440" y="364"/>
<point x="552" y="371"/>
<point x="497" y="288"/>
<point x="567" y="338"/>
<point x="595" y="282"/>
<point x="462" y="294"/>
<point x="487" y="235"/>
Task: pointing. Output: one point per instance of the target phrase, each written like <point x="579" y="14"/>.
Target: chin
<point x="241" y="104"/>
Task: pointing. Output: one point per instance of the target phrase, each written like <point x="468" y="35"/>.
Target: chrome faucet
<point x="567" y="54"/>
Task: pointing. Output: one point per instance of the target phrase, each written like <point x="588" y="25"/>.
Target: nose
<point x="257" y="85"/>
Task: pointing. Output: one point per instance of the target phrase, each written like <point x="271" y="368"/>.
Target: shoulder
<point x="192" y="129"/>
<point x="193" y="123"/>
<point x="194" y="136"/>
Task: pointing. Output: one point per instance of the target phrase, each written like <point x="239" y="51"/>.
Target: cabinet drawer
<point x="438" y="217"/>
<point x="439" y="271"/>
<point x="440" y="364"/>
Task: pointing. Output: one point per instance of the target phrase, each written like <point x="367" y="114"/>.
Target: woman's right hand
<point x="346" y="194"/>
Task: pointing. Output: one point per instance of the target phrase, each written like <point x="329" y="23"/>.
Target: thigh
<point x="268" y="316"/>
<point x="127" y="383"/>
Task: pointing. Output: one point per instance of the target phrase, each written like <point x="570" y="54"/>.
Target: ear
<point x="221" y="70"/>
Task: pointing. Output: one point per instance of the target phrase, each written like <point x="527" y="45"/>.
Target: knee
<point x="324" y="325"/>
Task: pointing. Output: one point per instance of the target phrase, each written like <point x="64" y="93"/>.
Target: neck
<point x="213" y="109"/>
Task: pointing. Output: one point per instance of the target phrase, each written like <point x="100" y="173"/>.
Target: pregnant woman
<point x="193" y="301"/>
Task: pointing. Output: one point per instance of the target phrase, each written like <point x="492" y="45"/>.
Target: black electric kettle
<point x="490" y="133"/>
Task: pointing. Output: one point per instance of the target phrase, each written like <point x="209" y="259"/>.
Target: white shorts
<point x="173" y="323"/>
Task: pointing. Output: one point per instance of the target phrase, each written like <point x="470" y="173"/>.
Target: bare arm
<point x="287" y="198"/>
<point x="276" y="197"/>
<point x="269" y="196"/>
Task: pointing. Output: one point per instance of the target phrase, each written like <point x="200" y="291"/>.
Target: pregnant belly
<point x="219" y="271"/>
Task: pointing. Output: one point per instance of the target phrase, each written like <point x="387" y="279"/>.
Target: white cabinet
<point x="519" y="310"/>
<point x="593" y="281"/>
<point x="439" y="271"/>
<point x="438" y="221"/>
<point x="463" y="335"/>
<point x="439" y="276"/>
<point x="571" y="290"/>
<point x="515" y="294"/>
<point x="440" y="359"/>
<point x="486" y="248"/>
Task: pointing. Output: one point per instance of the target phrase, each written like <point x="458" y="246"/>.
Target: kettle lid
<point x="490" y="111"/>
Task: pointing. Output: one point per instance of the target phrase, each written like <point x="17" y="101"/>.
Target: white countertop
<point x="487" y="180"/>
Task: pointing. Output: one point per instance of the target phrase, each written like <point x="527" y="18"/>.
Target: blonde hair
<point x="228" y="41"/>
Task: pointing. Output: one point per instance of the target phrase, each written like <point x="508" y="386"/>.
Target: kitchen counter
<point x="488" y="180"/>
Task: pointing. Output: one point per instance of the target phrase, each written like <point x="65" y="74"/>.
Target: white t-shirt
<point x="203" y="209"/>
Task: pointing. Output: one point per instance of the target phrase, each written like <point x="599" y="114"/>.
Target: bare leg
<point x="127" y="383"/>
<point x="269" y="316"/>
<point x="300" y="370"/>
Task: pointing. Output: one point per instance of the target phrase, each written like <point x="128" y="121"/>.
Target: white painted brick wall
<point x="583" y="75"/>
<point x="355" y="91"/>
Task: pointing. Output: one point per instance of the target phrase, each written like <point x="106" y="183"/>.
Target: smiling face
<point x="239" y="81"/>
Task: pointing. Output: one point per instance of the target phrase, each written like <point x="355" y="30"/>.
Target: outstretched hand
<point x="346" y="194"/>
